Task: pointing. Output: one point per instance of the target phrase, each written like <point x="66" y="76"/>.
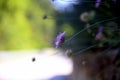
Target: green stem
<point x="90" y="27"/>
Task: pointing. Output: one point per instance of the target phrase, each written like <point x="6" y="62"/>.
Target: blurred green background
<point x="22" y="26"/>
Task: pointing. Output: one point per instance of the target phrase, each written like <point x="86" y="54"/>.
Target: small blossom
<point x="87" y="16"/>
<point x="97" y="4"/>
<point x="68" y="53"/>
<point x="84" y="17"/>
<point x="60" y="39"/>
<point x="99" y="34"/>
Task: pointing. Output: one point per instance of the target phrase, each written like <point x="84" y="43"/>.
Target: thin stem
<point x="90" y="27"/>
<point x="84" y="50"/>
<point x="81" y="51"/>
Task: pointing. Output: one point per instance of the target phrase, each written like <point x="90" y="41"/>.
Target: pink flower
<point x="60" y="39"/>
<point x="99" y="34"/>
<point x="97" y="3"/>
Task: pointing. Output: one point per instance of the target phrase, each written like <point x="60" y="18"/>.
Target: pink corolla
<point x="60" y="39"/>
<point x="97" y="3"/>
<point x="99" y="34"/>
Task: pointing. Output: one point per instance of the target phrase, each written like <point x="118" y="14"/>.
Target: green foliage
<point x="21" y="25"/>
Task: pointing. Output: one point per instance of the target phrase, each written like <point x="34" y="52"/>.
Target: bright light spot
<point x="45" y="66"/>
<point x="64" y="5"/>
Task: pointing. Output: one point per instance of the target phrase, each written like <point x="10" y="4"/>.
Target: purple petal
<point x="98" y="36"/>
<point x="57" y="43"/>
<point x="97" y="4"/>
<point x="60" y="39"/>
